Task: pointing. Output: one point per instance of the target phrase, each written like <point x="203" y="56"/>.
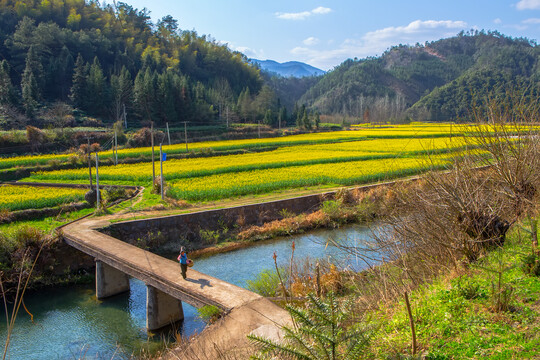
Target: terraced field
<point x="361" y="133"/>
<point x="29" y="197"/>
<point x="322" y="164"/>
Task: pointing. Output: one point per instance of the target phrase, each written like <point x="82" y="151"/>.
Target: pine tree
<point x="306" y="121"/>
<point x="166" y="97"/>
<point x="144" y="91"/>
<point x="6" y="87"/>
<point x="268" y="117"/>
<point x="244" y="104"/>
<point x="122" y="92"/>
<point x="29" y="93"/>
<point x="78" y="89"/>
<point x="300" y="116"/>
<point x="64" y="68"/>
<point x="96" y="86"/>
<point x="30" y="89"/>
<point x="283" y="117"/>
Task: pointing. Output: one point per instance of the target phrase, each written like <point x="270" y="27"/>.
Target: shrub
<point x="53" y="163"/>
<point x="468" y="289"/>
<point x="266" y="283"/>
<point x="332" y="208"/>
<point x="114" y="193"/>
<point x="209" y="313"/>
<point x="5" y="215"/>
<point x="322" y="331"/>
<point x="25" y="236"/>
<point x="35" y="136"/>
<point x="531" y="265"/>
<point x="143" y="137"/>
<point x="210" y="237"/>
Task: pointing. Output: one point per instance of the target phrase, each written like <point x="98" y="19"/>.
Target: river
<point x="70" y="323"/>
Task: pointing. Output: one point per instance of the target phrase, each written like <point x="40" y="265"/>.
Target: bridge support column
<point x="110" y="281"/>
<point x="161" y="309"/>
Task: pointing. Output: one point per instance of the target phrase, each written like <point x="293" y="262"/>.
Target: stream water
<point x="70" y="323"/>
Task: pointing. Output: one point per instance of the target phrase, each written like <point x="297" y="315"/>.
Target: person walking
<point x="183" y="259"/>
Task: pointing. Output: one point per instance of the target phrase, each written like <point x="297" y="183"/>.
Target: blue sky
<point x="325" y="33"/>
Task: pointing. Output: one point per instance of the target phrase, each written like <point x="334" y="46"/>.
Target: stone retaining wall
<point x="168" y="233"/>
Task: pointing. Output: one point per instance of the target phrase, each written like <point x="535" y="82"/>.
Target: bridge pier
<point x="110" y="281"/>
<point x="161" y="309"/>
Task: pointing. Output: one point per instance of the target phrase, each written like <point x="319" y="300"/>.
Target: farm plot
<point x="141" y="173"/>
<point x="29" y="197"/>
<point x="263" y="181"/>
<point x="387" y="132"/>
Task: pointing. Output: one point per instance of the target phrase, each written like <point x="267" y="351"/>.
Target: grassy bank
<point x="471" y="313"/>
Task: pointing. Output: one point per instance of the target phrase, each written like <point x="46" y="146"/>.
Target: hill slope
<point x="435" y="81"/>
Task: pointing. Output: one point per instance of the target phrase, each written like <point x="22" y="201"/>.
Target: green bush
<point x="531" y="265"/>
<point x="25" y="236"/>
<point x="469" y="289"/>
<point x="266" y="283"/>
<point x="209" y="237"/>
<point x="209" y="313"/>
<point x="114" y="193"/>
<point x="332" y="208"/>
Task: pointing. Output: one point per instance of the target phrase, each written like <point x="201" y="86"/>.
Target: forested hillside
<point x="65" y="59"/>
<point x="435" y="81"/>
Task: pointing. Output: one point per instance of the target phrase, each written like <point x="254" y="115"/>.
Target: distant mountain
<point x="288" y="69"/>
<point x="437" y="81"/>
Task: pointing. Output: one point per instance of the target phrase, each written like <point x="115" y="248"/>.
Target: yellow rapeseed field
<point x="141" y="173"/>
<point x="30" y="197"/>
<point x="261" y="181"/>
<point x="361" y="132"/>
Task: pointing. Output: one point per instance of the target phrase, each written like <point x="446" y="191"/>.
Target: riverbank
<point x="489" y="310"/>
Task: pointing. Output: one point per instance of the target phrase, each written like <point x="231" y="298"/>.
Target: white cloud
<point x="321" y="10"/>
<point x="497" y="21"/>
<point x="531" y="21"/>
<point x="415" y="27"/>
<point x="304" y="14"/>
<point x="375" y="42"/>
<point x="311" y="41"/>
<point x="528" y="5"/>
<point x="294" y="16"/>
<point x="249" y="52"/>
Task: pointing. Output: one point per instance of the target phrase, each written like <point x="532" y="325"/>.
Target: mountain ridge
<point x="288" y="69"/>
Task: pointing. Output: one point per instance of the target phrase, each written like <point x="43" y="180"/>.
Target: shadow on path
<point x="203" y="282"/>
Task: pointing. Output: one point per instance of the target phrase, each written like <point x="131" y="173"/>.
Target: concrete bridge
<point x="166" y="289"/>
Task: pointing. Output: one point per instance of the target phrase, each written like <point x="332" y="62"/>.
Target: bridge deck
<point x="197" y="290"/>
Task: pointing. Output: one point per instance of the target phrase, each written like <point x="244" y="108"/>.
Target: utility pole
<point x="97" y="182"/>
<point x="168" y="133"/>
<point x="161" y="168"/>
<point x="125" y="115"/>
<point x="185" y="134"/>
<point x="115" y="148"/>
<point x="88" y="153"/>
<point x="152" y="139"/>
<point x="227" y="109"/>
<point x="259" y="128"/>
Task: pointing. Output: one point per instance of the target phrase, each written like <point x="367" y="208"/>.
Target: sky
<point x="325" y="33"/>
